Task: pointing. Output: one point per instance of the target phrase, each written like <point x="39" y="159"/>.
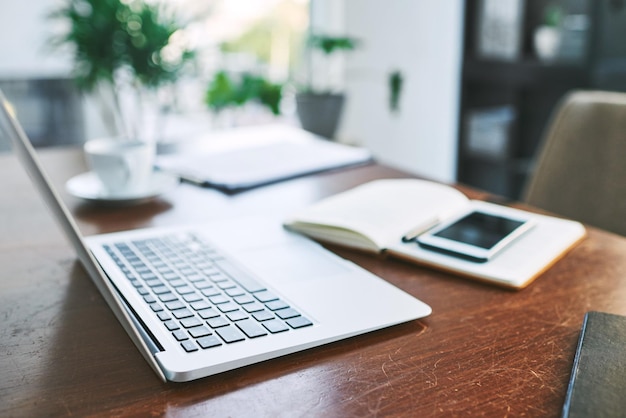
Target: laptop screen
<point x="10" y="128"/>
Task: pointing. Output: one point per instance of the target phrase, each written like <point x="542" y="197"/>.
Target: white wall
<point x="24" y="32"/>
<point x="422" y="39"/>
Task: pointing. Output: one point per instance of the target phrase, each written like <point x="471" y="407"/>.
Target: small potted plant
<point x="319" y="108"/>
<point x="120" y="47"/>
<point x="547" y="36"/>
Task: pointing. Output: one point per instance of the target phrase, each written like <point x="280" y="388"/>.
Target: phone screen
<point x="480" y="229"/>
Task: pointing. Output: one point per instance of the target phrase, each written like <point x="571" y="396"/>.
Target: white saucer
<point x="87" y="186"/>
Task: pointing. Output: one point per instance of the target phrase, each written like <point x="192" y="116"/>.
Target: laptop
<point x="203" y="299"/>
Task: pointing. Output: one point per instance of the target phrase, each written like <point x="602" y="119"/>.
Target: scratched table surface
<point x="483" y="351"/>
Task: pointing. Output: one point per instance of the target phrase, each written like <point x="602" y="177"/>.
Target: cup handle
<point x="127" y="167"/>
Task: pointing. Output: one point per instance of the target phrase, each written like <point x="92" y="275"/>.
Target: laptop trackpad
<point x="292" y="262"/>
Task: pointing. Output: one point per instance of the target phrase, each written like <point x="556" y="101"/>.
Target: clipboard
<point x="239" y="159"/>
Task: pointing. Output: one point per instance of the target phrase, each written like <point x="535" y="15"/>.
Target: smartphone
<point x="476" y="236"/>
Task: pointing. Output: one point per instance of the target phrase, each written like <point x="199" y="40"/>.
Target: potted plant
<point x="319" y="109"/>
<point x="547" y="36"/>
<point x="119" y="47"/>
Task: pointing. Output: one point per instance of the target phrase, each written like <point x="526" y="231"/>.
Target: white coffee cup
<point x="123" y="166"/>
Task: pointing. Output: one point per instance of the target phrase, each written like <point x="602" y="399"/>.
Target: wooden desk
<point x="484" y="350"/>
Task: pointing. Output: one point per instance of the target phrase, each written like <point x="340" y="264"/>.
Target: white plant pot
<point x="547" y="41"/>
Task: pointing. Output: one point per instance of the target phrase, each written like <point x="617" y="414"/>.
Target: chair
<point x="580" y="172"/>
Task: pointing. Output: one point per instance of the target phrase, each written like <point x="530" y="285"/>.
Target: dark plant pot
<point x="320" y="113"/>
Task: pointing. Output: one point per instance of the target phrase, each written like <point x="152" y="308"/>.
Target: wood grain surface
<point x="484" y="351"/>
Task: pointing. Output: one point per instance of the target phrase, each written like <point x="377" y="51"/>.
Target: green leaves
<point x="330" y="44"/>
<point x="224" y="91"/>
<point x="108" y="35"/>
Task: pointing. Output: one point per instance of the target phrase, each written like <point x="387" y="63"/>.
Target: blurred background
<point x="457" y="90"/>
<point x="420" y="38"/>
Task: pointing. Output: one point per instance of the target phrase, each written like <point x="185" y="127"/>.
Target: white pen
<point x="415" y="232"/>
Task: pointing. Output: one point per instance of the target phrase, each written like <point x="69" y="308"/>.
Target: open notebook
<point x="202" y="299"/>
<point x="379" y="215"/>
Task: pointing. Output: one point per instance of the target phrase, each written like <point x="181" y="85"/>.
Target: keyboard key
<point x="194" y="277"/>
<point x="218" y="277"/>
<point x="156" y="307"/>
<point x="200" y="331"/>
<point x="287" y="313"/>
<point x="171" y="325"/>
<point x="209" y="341"/>
<point x="186" y="271"/>
<point x="275" y="326"/>
<point x="149" y="299"/>
<point x="154" y="282"/>
<point x="189" y="346"/>
<point x="177" y="282"/>
<point x="216" y="300"/>
<point x="192" y="297"/>
<point x="237" y="316"/>
<point x="209" y="271"/>
<point x="180" y="335"/>
<point x="164" y="316"/>
<point x="243" y="299"/>
<point x="208" y="313"/>
<point x="276" y="304"/>
<point x="235" y="291"/>
<point x="226" y="284"/>
<point x="251" y="328"/>
<point x="183" y="290"/>
<point x="230" y="334"/>
<point x="172" y="306"/>
<point x="227" y="307"/>
<point x="190" y="322"/>
<point x="217" y="322"/>
<point x="201" y="304"/>
<point x="299" y="322"/>
<point x="182" y="313"/>
<point x="253" y="307"/>
<point x="169" y="275"/>
<point x="148" y="276"/>
<point x="263" y="315"/>
<point x="159" y="290"/>
<point x="202" y="284"/>
<point x="211" y="291"/>
<point x="265" y="296"/>
<point x="168" y="297"/>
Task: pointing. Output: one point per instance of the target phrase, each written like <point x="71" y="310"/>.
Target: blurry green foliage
<point x="553" y="15"/>
<point x="395" y="88"/>
<point x="331" y="44"/>
<point x="224" y="91"/>
<point x="107" y="35"/>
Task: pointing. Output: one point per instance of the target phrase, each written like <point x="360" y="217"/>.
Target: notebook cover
<point x="597" y="386"/>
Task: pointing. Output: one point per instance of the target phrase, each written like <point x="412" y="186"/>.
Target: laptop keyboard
<point x="199" y="296"/>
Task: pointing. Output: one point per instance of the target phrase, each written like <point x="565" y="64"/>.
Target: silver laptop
<point x="209" y="298"/>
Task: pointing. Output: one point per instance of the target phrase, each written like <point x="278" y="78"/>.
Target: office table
<point x="483" y="351"/>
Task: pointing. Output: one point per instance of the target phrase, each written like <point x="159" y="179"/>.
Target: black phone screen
<point x="480" y="229"/>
